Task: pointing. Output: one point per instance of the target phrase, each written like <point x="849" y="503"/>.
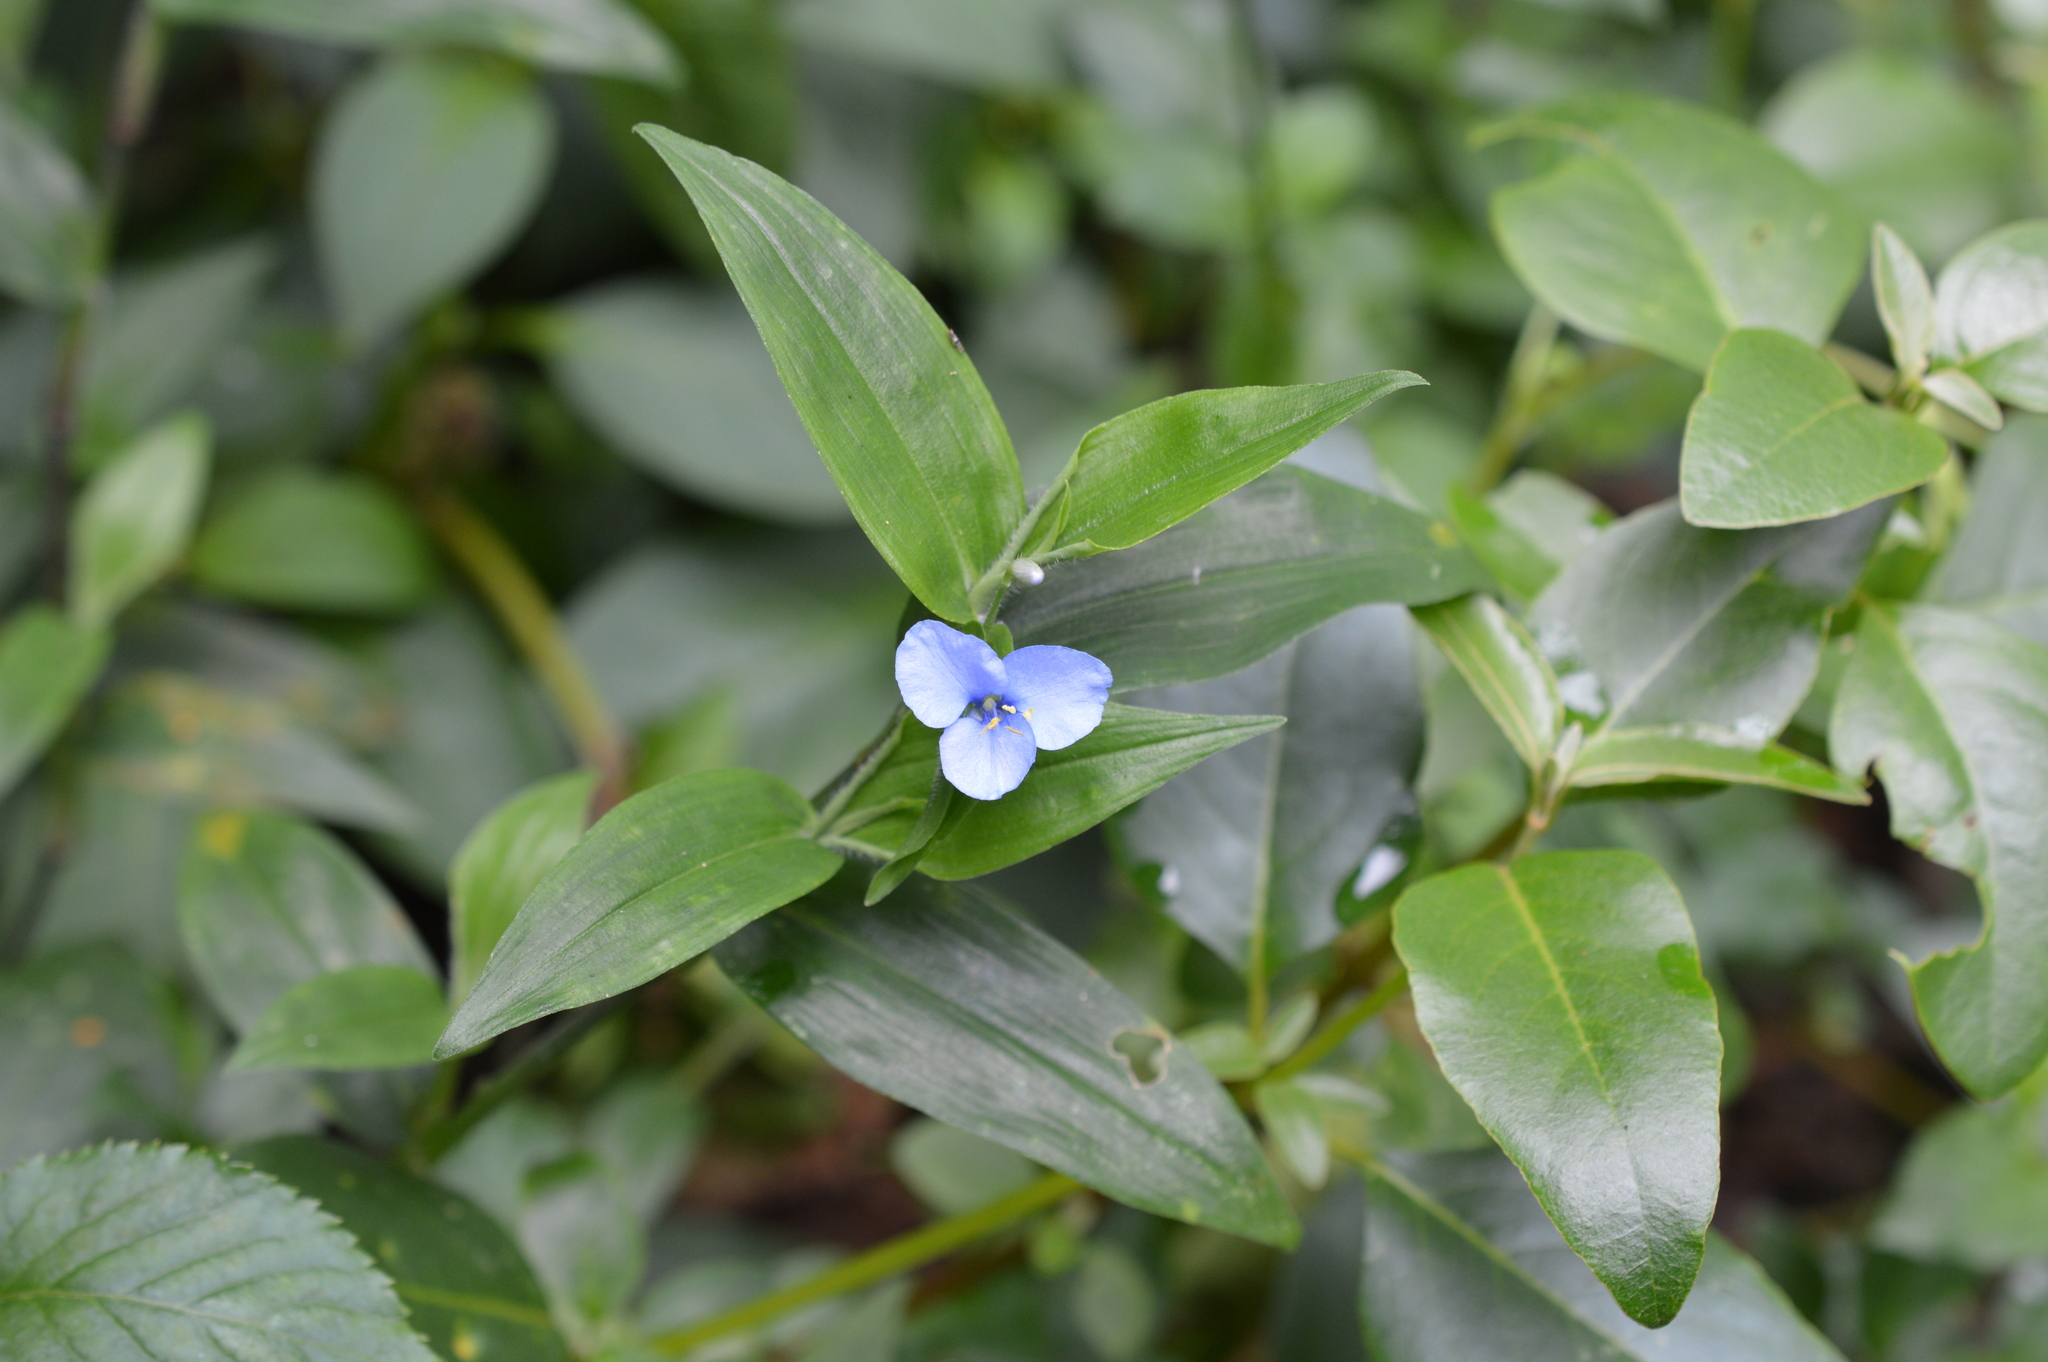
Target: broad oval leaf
<point x="1661" y="622"/>
<point x="947" y="1002"/>
<point x="1229" y="585"/>
<point x="1460" y="1264"/>
<point x="502" y="860"/>
<point x="462" y="1279"/>
<point x="136" y="516"/>
<point x="425" y="170"/>
<point x="1500" y="662"/>
<point x="1152" y="468"/>
<point x="47" y="664"/>
<point x="1780" y="434"/>
<point x="266" y="902"/>
<point x="1953" y="712"/>
<point x="605" y="37"/>
<point x="1259" y="839"/>
<point x="675" y="380"/>
<point x="1991" y="313"/>
<point x="164" y="1253"/>
<point x="306" y="540"/>
<point x="1997" y="565"/>
<point x="1637" y="756"/>
<point x="364" y="1017"/>
<point x="661" y="878"/>
<point x="1676" y="226"/>
<point x="894" y="405"/>
<point x="1563" y="997"/>
<point x="47" y="236"/>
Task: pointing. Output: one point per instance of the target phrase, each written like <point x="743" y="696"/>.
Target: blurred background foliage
<point x="385" y="278"/>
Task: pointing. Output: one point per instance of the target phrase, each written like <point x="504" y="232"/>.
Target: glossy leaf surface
<point x="1634" y="756"/>
<point x="1500" y="662"/>
<point x="1953" y="713"/>
<point x="1674" y="227"/>
<point x="165" y="1254"/>
<point x="500" y="863"/>
<point x="949" y="1003"/>
<point x="1991" y="313"/>
<point x="1459" y="1263"/>
<point x="47" y="663"/>
<point x="364" y="1017"/>
<point x="135" y="517"/>
<point x="1563" y="997"/>
<point x="662" y="877"/>
<point x="305" y="540"/>
<point x="1255" y="842"/>
<point x="893" y="404"/>
<point x="1226" y="587"/>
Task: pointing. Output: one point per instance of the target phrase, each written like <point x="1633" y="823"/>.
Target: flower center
<point x="993" y="708"/>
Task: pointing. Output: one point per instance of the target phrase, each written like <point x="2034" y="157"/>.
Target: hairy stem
<point x="899" y="1255"/>
<point x="1332" y="1032"/>
<point x="1520" y="394"/>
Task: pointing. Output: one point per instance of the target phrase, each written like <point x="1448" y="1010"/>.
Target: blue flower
<point x="997" y="711"/>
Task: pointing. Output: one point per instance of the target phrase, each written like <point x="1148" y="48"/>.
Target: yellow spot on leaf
<point x="87" y="1032"/>
<point x="221" y="835"/>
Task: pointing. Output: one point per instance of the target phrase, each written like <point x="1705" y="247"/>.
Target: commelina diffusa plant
<point x="1451" y="1010"/>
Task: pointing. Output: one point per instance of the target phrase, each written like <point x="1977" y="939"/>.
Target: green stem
<point x="535" y="1060"/>
<point x="899" y="1255"/>
<point x="848" y="783"/>
<point x="1333" y="1031"/>
<point x="1527" y="369"/>
<point x="1731" y="23"/>
<point x="523" y="608"/>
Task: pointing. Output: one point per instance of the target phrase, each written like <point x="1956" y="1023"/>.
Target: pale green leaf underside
<point x="1502" y="665"/>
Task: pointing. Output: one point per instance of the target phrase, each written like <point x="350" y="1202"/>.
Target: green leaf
<point x="1131" y="753"/>
<point x="1661" y="622"/>
<point x="266" y="902"/>
<point x="1997" y="565"/>
<point x="1563" y="997"/>
<point x="676" y="381"/>
<point x="366" y="1017"/>
<point x="1008" y="47"/>
<point x="425" y="170"/>
<point x="1294" y="1122"/>
<point x="1974" y="1186"/>
<point x="584" y="1243"/>
<point x="1255" y="843"/>
<point x="1781" y="434"/>
<point x="47" y="664"/>
<point x="48" y="241"/>
<point x="1991" y="313"/>
<point x="662" y="877"/>
<point x="1676" y="226"/>
<point x="1460" y="1264"/>
<point x="1954" y="713"/>
<point x="1225" y="1049"/>
<point x="1500" y="662"/>
<point x="500" y="863"/>
<point x="300" y="539"/>
<point x="165" y="1253"/>
<point x="1956" y="390"/>
<point x="1152" y="468"/>
<point x="1905" y="300"/>
<point x="954" y="1172"/>
<point x="893" y="404"/>
<point x="135" y="517"/>
<point x="946" y="1002"/>
<point x="1635" y="756"/>
<point x="463" y="1282"/>
<point x="1226" y="587"/>
<point x="597" y="36"/>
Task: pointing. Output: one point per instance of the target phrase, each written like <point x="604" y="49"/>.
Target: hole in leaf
<point x="1143" y="1053"/>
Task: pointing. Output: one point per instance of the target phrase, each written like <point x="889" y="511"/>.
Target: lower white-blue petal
<point x="941" y="671"/>
<point x="1063" y="688"/>
<point x="983" y="762"/>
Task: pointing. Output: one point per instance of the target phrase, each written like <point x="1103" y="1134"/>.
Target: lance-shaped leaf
<point x="266" y="902"/>
<point x="1254" y="843"/>
<point x="1562" y="994"/>
<point x="892" y="402"/>
<point x="135" y="517"/>
<point x="47" y="238"/>
<point x="1905" y="300"/>
<point x="1991" y="313"/>
<point x="1780" y="434"/>
<point x="1226" y="587"/>
<point x="1676" y="226"/>
<point x="945" y="1001"/>
<point x="365" y="1017"/>
<point x="47" y="663"/>
<point x="662" y="877"/>
<point x="165" y="1253"/>
<point x="1954" y="714"/>
<point x="1500" y="662"/>
<point x="1661" y="622"/>
<point x="1152" y="468"/>
<point x="502" y="860"/>
<point x="1637" y="756"/>
<point x="1460" y="1264"/>
<point x="1997" y="566"/>
<point x="462" y="1279"/>
<point x="598" y="36"/>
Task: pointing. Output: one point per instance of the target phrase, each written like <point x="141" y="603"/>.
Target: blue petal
<point x="1063" y="690"/>
<point x="941" y="671"/>
<point x="984" y="762"/>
